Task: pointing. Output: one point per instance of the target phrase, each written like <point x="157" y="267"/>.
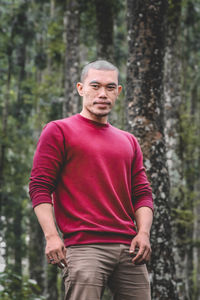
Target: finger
<point x="61" y="265"/>
<point x="50" y="260"/>
<point x="148" y="256"/>
<point x="133" y="248"/>
<point x="143" y="258"/>
<point x="139" y="256"/>
<point x="134" y="252"/>
<point x="54" y="258"/>
<point x="59" y="258"/>
<point x="62" y="256"/>
<point x="58" y="262"/>
<point x="64" y="262"/>
<point x="64" y="251"/>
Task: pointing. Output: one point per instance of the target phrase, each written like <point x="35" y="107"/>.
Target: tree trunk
<point x="18" y="244"/>
<point x="104" y="15"/>
<point x="193" y="181"/>
<point x="36" y="253"/>
<point x="19" y="115"/>
<point x="173" y="101"/>
<point x="146" y="36"/>
<point x="172" y="92"/>
<point x="71" y="21"/>
<point x="4" y="126"/>
<point x="22" y="27"/>
<point x="196" y="239"/>
<point x="51" y="283"/>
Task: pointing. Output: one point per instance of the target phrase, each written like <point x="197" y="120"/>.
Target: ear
<point x="119" y="89"/>
<point x="79" y="87"/>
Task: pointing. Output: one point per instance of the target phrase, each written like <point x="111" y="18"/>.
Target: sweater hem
<point x="84" y="237"/>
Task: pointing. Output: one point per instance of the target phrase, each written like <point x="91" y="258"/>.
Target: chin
<point x="101" y="114"/>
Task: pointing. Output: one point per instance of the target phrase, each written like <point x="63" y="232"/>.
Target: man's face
<point x="99" y="91"/>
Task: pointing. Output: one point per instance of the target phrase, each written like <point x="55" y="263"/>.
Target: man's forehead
<point x="102" y="75"/>
<point x="109" y="82"/>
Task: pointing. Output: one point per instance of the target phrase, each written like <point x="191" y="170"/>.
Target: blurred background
<point x="156" y="46"/>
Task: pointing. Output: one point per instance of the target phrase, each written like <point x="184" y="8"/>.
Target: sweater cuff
<point x="144" y="202"/>
<point x="41" y="199"/>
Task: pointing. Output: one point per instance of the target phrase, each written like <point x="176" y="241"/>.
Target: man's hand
<point x="141" y="243"/>
<point x="140" y="248"/>
<point x="55" y="251"/>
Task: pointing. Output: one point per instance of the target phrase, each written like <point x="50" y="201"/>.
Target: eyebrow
<point x="110" y="83"/>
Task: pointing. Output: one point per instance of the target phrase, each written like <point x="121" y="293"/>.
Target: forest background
<point x="156" y="45"/>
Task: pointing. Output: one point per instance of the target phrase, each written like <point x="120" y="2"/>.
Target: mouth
<point x="102" y="103"/>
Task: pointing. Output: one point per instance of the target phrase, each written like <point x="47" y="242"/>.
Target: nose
<point x="102" y="92"/>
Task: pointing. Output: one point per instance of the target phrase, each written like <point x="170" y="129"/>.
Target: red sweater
<point x="95" y="172"/>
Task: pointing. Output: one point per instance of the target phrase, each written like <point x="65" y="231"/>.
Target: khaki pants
<point x="90" y="268"/>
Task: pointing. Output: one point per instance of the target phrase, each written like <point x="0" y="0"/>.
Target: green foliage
<point x="190" y="145"/>
<point x="183" y="221"/>
<point x="15" y="287"/>
<point x="185" y="215"/>
<point x="107" y="295"/>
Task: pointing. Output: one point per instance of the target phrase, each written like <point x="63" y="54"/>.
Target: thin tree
<point x="190" y="143"/>
<point x="105" y="27"/>
<point x="173" y="102"/>
<point x="146" y="36"/>
<point x="72" y="28"/>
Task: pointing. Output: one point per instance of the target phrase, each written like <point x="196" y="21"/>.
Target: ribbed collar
<point x="91" y="122"/>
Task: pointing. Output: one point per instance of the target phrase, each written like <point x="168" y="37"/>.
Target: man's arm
<point x="47" y="163"/>
<point x="55" y="249"/>
<point x="144" y="218"/>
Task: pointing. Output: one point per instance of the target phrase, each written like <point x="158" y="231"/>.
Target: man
<point x="95" y="172"/>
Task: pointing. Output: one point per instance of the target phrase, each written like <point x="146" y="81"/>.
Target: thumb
<point x="64" y="251"/>
<point x="133" y="246"/>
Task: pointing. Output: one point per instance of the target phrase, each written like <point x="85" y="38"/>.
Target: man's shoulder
<point x="61" y="123"/>
<point x="64" y="121"/>
<point x="58" y="127"/>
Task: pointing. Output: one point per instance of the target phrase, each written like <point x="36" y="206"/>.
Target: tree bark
<point x="173" y="102"/>
<point x="193" y="182"/>
<point x="105" y="23"/>
<point x="5" y="112"/>
<point x="17" y="229"/>
<point x="23" y="31"/>
<point x="72" y="21"/>
<point x="172" y="91"/>
<point x="146" y="37"/>
<point x="196" y="239"/>
<point x="20" y="28"/>
<point x="52" y="275"/>
<point x="36" y="254"/>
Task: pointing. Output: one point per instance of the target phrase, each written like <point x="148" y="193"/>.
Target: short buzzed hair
<point x="98" y="65"/>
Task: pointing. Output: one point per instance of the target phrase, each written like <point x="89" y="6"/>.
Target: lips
<point x="102" y="103"/>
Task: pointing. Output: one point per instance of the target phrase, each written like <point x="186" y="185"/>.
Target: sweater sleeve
<point x="141" y="190"/>
<point x="47" y="163"/>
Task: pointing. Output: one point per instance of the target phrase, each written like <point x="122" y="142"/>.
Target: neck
<point x="99" y="119"/>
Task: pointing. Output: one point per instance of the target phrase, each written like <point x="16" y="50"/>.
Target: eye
<point x="111" y="87"/>
<point x="95" y="86"/>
